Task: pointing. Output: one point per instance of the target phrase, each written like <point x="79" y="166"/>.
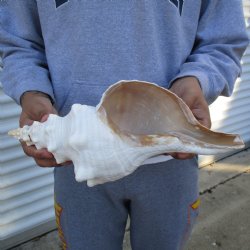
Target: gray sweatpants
<point x="161" y="200"/>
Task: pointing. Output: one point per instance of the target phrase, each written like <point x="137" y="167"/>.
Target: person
<point x="59" y="52"/>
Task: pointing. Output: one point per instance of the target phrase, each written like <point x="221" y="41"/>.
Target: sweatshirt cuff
<point x="41" y="84"/>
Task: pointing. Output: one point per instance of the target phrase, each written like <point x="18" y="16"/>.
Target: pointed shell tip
<point x="14" y="133"/>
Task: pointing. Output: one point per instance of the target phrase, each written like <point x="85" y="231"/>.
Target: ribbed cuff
<point x="33" y="82"/>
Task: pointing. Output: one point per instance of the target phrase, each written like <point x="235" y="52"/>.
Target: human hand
<point x="189" y="90"/>
<point x="36" y="106"/>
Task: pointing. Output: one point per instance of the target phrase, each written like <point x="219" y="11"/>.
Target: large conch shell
<point x="133" y="122"/>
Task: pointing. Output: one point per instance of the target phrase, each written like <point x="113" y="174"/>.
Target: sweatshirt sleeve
<point x="220" y="43"/>
<point x="22" y="50"/>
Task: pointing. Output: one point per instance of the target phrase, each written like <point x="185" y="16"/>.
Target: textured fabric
<point x="93" y="44"/>
<point x="158" y="198"/>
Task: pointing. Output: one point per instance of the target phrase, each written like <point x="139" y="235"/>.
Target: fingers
<point x="42" y="157"/>
<point x="50" y="163"/>
<point x="33" y="152"/>
<point x="36" y="104"/>
<point x="44" y="118"/>
<point x="24" y="120"/>
<point x="202" y="114"/>
<point x="199" y="108"/>
<point x="182" y="156"/>
<point x="189" y="90"/>
<point x="46" y="163"/>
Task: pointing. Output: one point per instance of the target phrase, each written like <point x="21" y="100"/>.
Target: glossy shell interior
<point x="139" y="110"/>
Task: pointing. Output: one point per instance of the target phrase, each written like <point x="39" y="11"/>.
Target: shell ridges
<point x="134" y="121"/>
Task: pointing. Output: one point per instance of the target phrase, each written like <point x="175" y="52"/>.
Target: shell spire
<point x="22" y="134"/>
<point x="16" y="133"/>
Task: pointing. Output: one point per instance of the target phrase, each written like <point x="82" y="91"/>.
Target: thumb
<point x="25" y="120"/>
<point x="36" y="105"/>
<point x="44" y="118"/>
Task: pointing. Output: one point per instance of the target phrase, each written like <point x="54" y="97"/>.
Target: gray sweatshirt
<point x="74" y="49"/>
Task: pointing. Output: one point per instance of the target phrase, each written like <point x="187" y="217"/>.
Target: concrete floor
<point x="224" y="221"/>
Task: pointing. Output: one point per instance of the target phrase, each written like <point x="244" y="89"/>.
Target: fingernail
<point x="44" y="118"/>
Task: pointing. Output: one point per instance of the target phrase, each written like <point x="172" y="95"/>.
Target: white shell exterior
<point x="98" y="152"/>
